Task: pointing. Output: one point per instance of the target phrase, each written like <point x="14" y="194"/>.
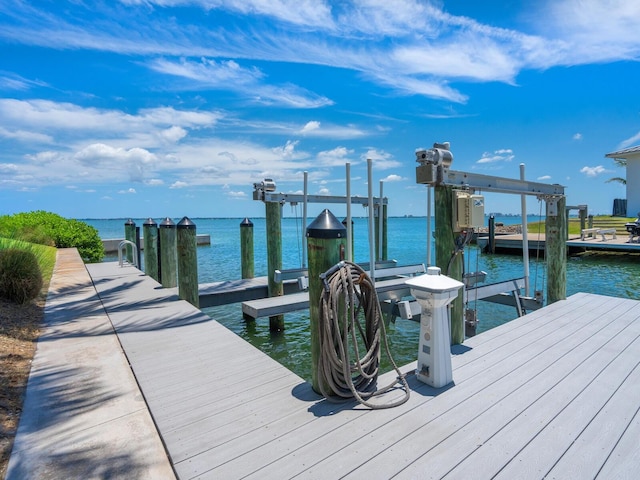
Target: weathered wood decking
<point x="555" y="393"/>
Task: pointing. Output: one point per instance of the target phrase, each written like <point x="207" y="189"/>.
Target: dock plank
<point x="348" y="436"/>
<point x="527" y="393"/>
<point x="473" y="398"/>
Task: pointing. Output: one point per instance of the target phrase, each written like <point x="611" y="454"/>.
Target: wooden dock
<point x="512" y="243"/>
<point x="553" y="394"/>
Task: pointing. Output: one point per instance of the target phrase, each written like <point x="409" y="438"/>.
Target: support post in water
<point x="246" y="248"/>
<point x="187" y="262"/>
<point x="274" y="258"/>
<point x="447" y="259"/>
<point x="556" y="250"/>
<point x="130" y="235"/>
<point x="351" y="254"/>
<point x="326" y="246"/>
<point x="381" y="232"/>
<point x="168" y="260"/>
<point x="492" y="234"/>
<point x="150" y="239"/>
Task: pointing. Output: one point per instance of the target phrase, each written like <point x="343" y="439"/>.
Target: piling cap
<point x="433" y="281"/>
<point x="246" y="223"/>
<point x="149" y="222"/>
<point x="167" y="223"/>
<point x="130" y="222"/>
<point x="186" y="223"/>
<point x="326" y="225"/>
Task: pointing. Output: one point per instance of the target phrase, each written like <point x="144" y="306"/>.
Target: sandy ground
<point x="19" y="330"/>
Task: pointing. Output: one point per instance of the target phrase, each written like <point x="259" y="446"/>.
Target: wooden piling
<point x="583" y="218"/>
<point x="492" y="234"/>
<point x="168" y="255"/>
<point x="130" y="235"/>
<point x="273" y="212"/>
<point x="556" y="252"/>
<point x="187" y="262"/>
<point x="326" y="244"/>
<point x="246" y="248"/>
<point x="150" y="238"/>
<point x="450" y="264"/>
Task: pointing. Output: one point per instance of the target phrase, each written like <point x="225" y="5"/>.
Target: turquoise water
<point x="606" y="275"/>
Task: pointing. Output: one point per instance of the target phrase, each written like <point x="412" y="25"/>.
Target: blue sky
<point x="154" y="108"/>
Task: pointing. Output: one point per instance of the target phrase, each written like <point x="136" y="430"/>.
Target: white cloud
<point x="310" y="127"/>
<point x="134" y="160"/>
<point x="237" y="195"/>
<point x="8" y="168"/>
<point x="592" y="31"/>
<point x="56" y="118"/>
<point x="630" y="141"/>
<point x="577" y="136"/>
<point x="335" y="132"/>
<point x="25" y="136"/>
<point x="380" y="160"/>
<point x="178" y="184"/>
<point x="173" y="134"/>
<point x="287" y="151"/>
<point x="393" y="178"/>
<point x="544" y="177"/>
<point x="334" y="158"/>
<point x="501" y="155"/>
<point x="424" y="46"/>
<point x="593" y="171"/>
<point x="128" y="191"/>
<point x="296" y="12"/>
<point x="12" y="81"/>
<point x="248" y="82"/>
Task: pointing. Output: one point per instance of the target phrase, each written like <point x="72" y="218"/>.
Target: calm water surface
<point x="605" y="275"/>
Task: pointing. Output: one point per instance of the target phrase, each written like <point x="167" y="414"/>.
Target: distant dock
<point x="512" y="243"/>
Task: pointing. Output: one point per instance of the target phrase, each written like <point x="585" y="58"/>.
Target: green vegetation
<point x="620" y="162"/>
<point x="50" y="229"/>
<point x="24" y="268"/>
<point x="20" y="277"/>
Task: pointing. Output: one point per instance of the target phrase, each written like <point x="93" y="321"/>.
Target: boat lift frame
<point x="434" y="170"/>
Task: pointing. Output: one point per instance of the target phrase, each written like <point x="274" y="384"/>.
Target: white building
<point x="632" y="156"/>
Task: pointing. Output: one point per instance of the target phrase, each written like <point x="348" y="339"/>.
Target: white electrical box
<point x="468" y="211"/>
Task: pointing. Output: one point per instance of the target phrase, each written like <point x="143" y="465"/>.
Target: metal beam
<point x="299" y="198"/>
<point x="439" y="175"/>
<point x="489" y="183"/>
<point x="484" y="291"/>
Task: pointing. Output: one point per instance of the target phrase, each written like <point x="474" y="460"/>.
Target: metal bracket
<point x="552" y="204"/>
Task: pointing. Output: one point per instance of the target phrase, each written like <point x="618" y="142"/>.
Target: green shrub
<point x="20" y="276"/>
<point x="47" y="228"/>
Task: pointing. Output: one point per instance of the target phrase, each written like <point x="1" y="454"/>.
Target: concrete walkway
<point x="84" y="416"/>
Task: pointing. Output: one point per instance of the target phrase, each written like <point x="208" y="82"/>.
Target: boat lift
<point x="434" y="170"/>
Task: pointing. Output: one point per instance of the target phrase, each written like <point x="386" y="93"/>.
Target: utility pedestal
<point x="434" y="292"/>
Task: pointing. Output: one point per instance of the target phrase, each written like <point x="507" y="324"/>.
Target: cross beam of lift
<point x="265" y="191"/>
<point x="433" y="169"/>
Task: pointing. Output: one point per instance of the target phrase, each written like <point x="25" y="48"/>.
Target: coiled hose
<point x="348" y="292"/>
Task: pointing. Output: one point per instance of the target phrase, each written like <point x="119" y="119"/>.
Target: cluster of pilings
<point x="169" y="254"/>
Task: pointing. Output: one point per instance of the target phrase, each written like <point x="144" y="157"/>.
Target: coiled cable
<point x="348" y="292"/>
